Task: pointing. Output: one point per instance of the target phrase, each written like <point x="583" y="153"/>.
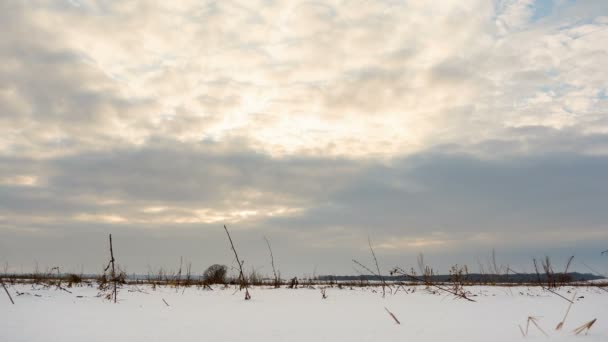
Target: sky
<point x="448" y="128"/>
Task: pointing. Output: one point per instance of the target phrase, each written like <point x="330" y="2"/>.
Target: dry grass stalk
<point x="392" y="315"/>
<point x="242" y="279"/>
<point x="585" y="327"/>
<point x="277" y="280"/>
<point x="111" y="263"/>
<point x="399" y="271"/>
<point x="534" y="321"/>
<point x="522" y="330"/>
<point x="167" y="304"/>
<point x="6" y="290"/>
<point x="561" y="324"/>
<point x="369" y="241"/>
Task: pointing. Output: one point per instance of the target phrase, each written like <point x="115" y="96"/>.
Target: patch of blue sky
<point x="542" y="8"/>
<point x="545" y="8"/>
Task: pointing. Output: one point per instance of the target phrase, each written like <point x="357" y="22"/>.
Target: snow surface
<point x="295" y="315"/>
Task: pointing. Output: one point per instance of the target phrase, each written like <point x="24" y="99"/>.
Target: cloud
<point x="437" y="201"/>
<point x="427" y="125"/>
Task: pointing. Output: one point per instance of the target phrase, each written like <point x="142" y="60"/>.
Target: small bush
<point x="215" y="274"/>
<point x="73" y="278"/>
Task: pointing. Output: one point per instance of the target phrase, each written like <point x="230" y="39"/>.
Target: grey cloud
<point x="456" y="198"/>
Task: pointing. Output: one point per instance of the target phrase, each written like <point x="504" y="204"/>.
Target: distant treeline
<point x="471" y="277"/>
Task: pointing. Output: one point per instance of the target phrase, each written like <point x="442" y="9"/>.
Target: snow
<point x="296" y="315"/>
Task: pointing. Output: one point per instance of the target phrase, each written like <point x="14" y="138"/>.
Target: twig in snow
<point x="167" y="304"/>
<point x="392" y="315"/>
<point x="6" y="290"/>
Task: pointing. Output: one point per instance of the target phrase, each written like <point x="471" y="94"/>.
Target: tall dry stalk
<point x="560" y="325"/>
<point x="242" y="280"/>
<point x="369" y="242"/>
<point x="277" y="281"/>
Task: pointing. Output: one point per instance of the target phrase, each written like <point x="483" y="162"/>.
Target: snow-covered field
<point x="296" y="315"/>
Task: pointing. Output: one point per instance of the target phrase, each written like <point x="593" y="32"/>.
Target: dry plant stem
<point x="167" y="304"/>
<point x="392" y="315"/>
<point x="461" y="295"/>
<point x="113" y="269"/>
<point x="544" y="287"/>
<point x="274" y="271"/>
<point x="598" y="274"/>
<point x="6" y="290"/>
<point x="584" y="327"/>
<point x="364" y="267"/>
<point x="179" y="274"/>
<point x="377" y="267"/>
<point x="533" y="320"/>
<point x="568" y="264"/>
<point x="243" y="281"/>
<point x="555" y="293"/>
<point x="561" y="324"/>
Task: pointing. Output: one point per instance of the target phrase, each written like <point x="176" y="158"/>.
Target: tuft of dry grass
<point x="585" y="327"/>
<point x="533" y="320"/>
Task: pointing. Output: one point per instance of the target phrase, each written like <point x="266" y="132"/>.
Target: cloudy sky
<point x="449" y="128"/>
